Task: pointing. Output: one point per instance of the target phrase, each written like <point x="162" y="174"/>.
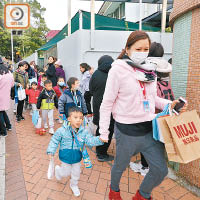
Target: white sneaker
<point x="46" y="126"/>
<point x="144" y="171"/>
<point x="51" y="131"/>
<point x="75" y="190"/>
<point x="136" y="167"/>
<point x="57" y="175"/>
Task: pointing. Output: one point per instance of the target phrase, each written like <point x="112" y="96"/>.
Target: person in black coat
<point x="51" y="71"/>
<point x="97" y="88"/>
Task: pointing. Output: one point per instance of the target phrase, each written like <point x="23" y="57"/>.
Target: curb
<point x="2" y="168"/>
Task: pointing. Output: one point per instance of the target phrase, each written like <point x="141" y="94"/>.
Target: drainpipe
<point x="69" y="16"/>
<point x="164" y="15"/>
<point x="92" y="11"/>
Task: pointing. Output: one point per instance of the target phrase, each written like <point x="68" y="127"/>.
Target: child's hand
<point x="104" y="141"/>
<point x="50" y="156"/>
<point x="27" y="86"/>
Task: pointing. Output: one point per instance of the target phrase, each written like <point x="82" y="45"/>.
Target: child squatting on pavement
<point x="70" y="152"/>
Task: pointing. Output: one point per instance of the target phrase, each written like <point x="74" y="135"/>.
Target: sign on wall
<point x="16" y="16"/>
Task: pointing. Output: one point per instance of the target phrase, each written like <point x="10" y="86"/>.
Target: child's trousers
<point x="48" y="114"/>
<point x="74" y="170"/>
<point x="34" y="107"/>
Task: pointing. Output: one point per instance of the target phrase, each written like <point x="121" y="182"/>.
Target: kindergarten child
<point x="33" y="94"/>
<point x="41" y="73"/>
<point x="71" y="97"/>
<point x="46" y="102"/>
<point x="69" y="152"/>
<point x="59" y="89"/>
<point x="41" y="83"/>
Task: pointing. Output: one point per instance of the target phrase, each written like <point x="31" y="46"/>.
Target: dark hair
<point x="156" y="50"/>
<point x="61" y="66"/>
<point x="33" y="83"/>
<point x="132" y="39"/>
<point x="3" y="69"/>
<point x="21" y="64"/>
<point x="74" y="109"/>
<point x="51" y="57"/>
<point x="44" y="75"/>
<point x="41" y="70"/>
<point x="47" y="82"/>
<point x="71" y="81"/>
<point x="60" y="77"/>
<point x="85" y="66"/>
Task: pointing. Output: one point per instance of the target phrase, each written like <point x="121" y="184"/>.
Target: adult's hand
<point x="184" y="109"/>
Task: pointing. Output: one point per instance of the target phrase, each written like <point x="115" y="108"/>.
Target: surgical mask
<point x="61" y="84"/>
<point x="138" y="57"/>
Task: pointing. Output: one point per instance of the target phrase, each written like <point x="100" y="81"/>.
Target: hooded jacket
<point x="63" y="137"/>
<point x="51" y="74"/>
<point x="124" y="98"/>
<point x="98" y="83"/>
<point x="66" y="101"/>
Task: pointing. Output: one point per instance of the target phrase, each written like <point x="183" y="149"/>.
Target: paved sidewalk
<point x="29" y="167"/>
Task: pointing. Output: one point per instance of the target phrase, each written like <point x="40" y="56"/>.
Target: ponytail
<point x="123" y="53"/>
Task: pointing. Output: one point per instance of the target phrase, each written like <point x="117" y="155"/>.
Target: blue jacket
<point x="66" y="101"/>
<point x="63" y="136"/>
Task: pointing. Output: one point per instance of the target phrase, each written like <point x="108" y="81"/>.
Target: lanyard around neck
<point x="142" y="85"/>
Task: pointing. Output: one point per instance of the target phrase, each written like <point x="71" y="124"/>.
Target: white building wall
<point x="132" y="11"/>
<point x="76" y="49"/>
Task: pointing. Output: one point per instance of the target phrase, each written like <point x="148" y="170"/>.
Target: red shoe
<point x="42" y="131"/>
<point x="37" y="131"/>
<point x="114" y="195"/>
<point x="138" y="196"/>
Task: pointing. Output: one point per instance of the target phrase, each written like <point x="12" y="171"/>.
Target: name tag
<point x="146" y="106"/>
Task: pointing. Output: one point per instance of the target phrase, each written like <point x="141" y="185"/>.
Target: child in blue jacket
<point x="69" y="152"/>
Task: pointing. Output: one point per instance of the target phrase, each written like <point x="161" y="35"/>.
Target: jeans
<point x="4" y="122"/>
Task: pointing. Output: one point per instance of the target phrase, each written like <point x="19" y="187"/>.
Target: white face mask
<point x="138" y="57"/>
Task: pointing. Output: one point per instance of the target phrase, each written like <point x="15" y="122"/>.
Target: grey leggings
<point x="153" y="151"/>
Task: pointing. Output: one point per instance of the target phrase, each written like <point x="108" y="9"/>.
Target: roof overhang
<point x="136" y="1"/>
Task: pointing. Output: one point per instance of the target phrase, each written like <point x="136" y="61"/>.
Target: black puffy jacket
<point x="98" y="83"/>
<point x="51" y="74"/>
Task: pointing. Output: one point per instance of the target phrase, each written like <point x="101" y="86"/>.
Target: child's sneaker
<point x="57" y="175"/>
<point x="75" y="190"/>
<point x="46" y="126"/>
<point x="51" y="131"/>
<point x="136" y="167"/>
<point x="144" y="171"/>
